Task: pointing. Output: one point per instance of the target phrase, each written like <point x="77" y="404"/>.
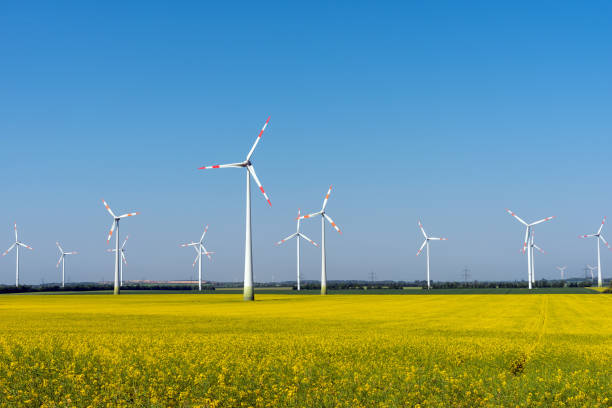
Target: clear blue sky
<point x="441" y="111"/>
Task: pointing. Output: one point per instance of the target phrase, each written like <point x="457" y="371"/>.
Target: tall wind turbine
<point x="16" y="245"/>
<point x="297" y="235"/>
<point x="248" y="249"/>
<point x="426" y="243"/>
<point x="63" y="261"/>
<point x="533" y="246"/>
<point x="324" y="217"/>
<point x="199" y="248"/>
<point x="117" y="251"/>
<point x="528" y="240"/>
<point x="562" y="270"/>
<point x="599" y="237"/>
<point x="122" y="250"/>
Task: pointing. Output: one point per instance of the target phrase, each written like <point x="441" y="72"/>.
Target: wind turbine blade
<point x="542" y="220"/>
<point x="129" y="215"/>
<point x="108" y="209"/>
<point x="195" y="260"/>
<point x="125" y="242"/>
<point x="221" y="166"/>
<point x="526" y="239"/>
<point x="9" y="250"/>
<point x="601" y="226"/>
<point x="188" y="245"/>
<point x="110" y="250"/>
<point x="123" y="257"/>
<point x="326" y="198"/>
<point x="286" y="239"/>
<point x="251" y="170"/>
<point x="421" y="248"/>
<point x="60" y="248"/>
<point x="604" y="240"/>
<point x="111" y="230"/>
<point x="308" y="239"/>
<point x="328" y="218"/>
<point x="438" y="239"/>
<point x="25" y="245"/>
<point x="309" y="215"/>
<point x="516" y="216"/>
<point x="422" y="230"/>
<point x="207" y="253"/>
<point x="538" y="248"/>
<point x="587" y="236"/>
<point x="59" y="260"/>
<point x="257" y="140"/>
<point x="204" y="234"/>
<point x="71" y="253"/>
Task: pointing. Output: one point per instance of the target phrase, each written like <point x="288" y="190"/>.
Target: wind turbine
<point x="199" y="248"/>
<point x="122" y="250"/>
<point x="297" y="237"/>
<point x="62" y="260"/>
<point x="533" y="246"/>
<point x="528" y="241"/>
<point x="248" y="248"/>
<point x="426" y="243"/>
<point x="116" y="220"/>
<point x="324" y="217"/>
<point x="591" y="269"/>
<point x="562" y="270"/>
<point x="599" y="237"/>
<point x="16" y="245"/>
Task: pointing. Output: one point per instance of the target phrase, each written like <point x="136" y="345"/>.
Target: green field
<point x="306" y="351"/>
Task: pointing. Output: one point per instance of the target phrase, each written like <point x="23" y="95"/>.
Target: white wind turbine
<point x="63" y="261"/>
<point x="16" y="245"/>
<point x="117" y="251"/>
<point x="591" y="269"/>
<point x="324" y="217"/>
<point x="248" y="249"/>
<point x="199" y="248"/>
<point x="426" y="243"/>
<point x="599" y="237"/>
<point x="122" y="250"/>
<point x="533" y="246"/>
<point x="528" y="242"/>
<point x="297" y="235"/>
<point x="562" y="270"/>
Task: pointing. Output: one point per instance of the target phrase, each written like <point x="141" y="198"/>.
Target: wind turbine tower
<point x="298" y="235"/>
<point x="324" y="217"/>
<point x="426" y="244"/>
<point x="248" y="247"/>
<point x="16" y="245"/>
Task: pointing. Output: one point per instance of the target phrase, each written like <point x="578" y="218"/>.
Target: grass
<point x="287" y="350"/>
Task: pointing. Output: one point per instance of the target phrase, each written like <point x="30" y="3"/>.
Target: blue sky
<point x="445" y="112"/>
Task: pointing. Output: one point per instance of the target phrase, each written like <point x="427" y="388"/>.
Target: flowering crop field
<point x="308" y="351"/>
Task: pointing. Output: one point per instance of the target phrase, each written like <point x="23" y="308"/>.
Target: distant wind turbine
<point x="63" y="261"/>
<point x="297" y="235"/>
<point x="528" y="241"/>
<point x="16" y="245"/>
<point x="116" y="220"/>
<point x="562" y="270"/>
<point x="248" y="249"/>
<point x="599" y="237"/>
<point x="199" y="248"/>
<point x="122" y="250"/>
<point x="426" y="243"/>
<point x="324" y="217"/>
<point x="591" y="269"/>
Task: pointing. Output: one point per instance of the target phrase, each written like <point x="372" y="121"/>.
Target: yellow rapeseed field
<point x="306" y="351"/>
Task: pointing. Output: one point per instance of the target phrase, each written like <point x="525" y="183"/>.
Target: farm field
<point x="312" y="351"/>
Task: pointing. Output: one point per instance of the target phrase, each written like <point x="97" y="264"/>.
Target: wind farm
<point x="475" y="136"/>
